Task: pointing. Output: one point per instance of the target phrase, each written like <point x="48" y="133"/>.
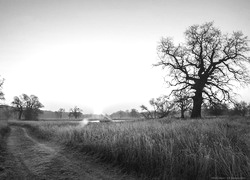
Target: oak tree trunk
<point x="20" y="114"/>
<point x="197" y="102"/>
<point x="182" y="111"/>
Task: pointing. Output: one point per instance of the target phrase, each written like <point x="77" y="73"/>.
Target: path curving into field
<point x="32" y="159"/>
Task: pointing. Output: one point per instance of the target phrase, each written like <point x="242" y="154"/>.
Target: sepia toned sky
<point x="98" y="54"/>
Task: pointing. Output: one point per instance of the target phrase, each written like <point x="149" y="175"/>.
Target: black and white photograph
<point x="124" y="89"/>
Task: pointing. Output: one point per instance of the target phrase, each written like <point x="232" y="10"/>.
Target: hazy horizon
<point x="98" y="55"/>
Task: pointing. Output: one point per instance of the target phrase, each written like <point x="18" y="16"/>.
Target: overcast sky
<point x="98" y="54"/>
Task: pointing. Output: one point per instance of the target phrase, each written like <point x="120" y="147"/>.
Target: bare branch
<point x="209" y="63"/>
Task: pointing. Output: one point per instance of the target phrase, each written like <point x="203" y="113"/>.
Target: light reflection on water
<point x="85" y="121"/>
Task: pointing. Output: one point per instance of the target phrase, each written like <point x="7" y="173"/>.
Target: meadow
<point x="4" y="130"/>
<point x="158" y="149"/>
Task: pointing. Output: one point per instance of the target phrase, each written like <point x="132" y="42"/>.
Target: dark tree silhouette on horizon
<point x="160" y="107"/>
<point x="75" y="112"/>
<point x="32" y="109"/>
<point x="1" y="87"/>
<point x="208" y="65"/>
<point x="29" y="106"/>
<point x="182" y="101"/>
<point x="241" y="108"/>
<point x="18" y="103"/>
<point x="60" y="112"/>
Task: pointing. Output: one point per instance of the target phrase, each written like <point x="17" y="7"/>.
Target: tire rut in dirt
<point x="36" y="160"/>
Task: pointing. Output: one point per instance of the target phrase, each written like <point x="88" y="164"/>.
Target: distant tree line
<point x="179" y="106"/>
<point x="59" y="113"/>
<point x="29" y="107"/>
<point x="75" y="112"/>
<point x="241" y="108"/>
<point x="25" y="106"/>
<point x="133" y="113"/>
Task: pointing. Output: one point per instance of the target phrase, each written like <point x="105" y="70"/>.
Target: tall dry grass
<point x="4" y="129"/>
<point x="193" y="149"/>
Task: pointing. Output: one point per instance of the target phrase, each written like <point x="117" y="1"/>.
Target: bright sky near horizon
<point x="98" y="54"/>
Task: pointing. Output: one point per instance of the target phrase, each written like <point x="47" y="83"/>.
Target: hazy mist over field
<point x="98" y="54"/>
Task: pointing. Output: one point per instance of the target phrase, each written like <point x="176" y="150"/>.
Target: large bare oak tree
<point x="207" y="65"/>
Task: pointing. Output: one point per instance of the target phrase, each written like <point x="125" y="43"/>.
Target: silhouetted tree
<point x="241" y="108"/>
<point x="134" y="113"/>
<point x="29" y="106"/>
<point x="217" y="109"/>
<point x="32" y="109"/>
<point x="60" y="112"/>
<point x="122" y="114"/>
<point x="182" y="101"/>
<point x="75" y="112"/>
<point x="1" y="87"/>
<point x="161" y="108"/>
<point x="206" y="65"/>
<point x="19" y="105"/>
<point x="146" y="113"/>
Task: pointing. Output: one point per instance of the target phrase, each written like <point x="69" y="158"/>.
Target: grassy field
<point x="4" y="129"/>
<point x="159" y="149"/>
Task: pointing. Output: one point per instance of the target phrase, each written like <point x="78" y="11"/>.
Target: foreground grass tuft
<point x="194" y="149"/>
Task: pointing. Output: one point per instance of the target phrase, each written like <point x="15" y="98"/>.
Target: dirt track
<point x="32" y="159"/>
